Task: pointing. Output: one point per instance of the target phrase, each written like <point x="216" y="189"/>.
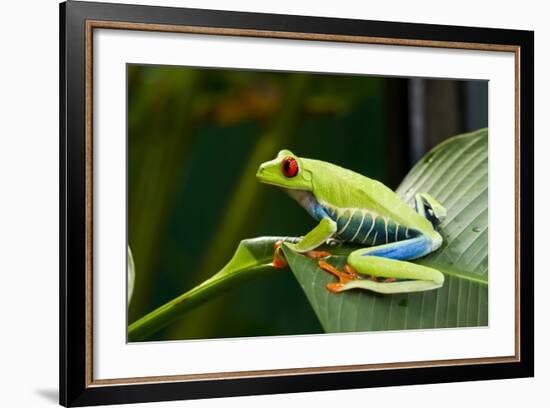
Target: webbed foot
<point x="279" y="261"/>
<point x="348" y="274"/>
<point x="318" y="254"/>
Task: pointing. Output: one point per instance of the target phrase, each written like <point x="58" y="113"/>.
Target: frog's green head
<point x="287" y="170"/>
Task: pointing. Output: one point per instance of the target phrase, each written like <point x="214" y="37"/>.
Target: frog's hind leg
<point x="420" y="278"/>
<point x="430" y="208"/>
<point x="389" y="261"/>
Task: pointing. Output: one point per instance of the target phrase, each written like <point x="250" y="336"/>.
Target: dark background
<point x="195" y="139"/>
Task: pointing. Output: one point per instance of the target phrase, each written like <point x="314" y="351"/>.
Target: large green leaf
<point x="454" y="172"/>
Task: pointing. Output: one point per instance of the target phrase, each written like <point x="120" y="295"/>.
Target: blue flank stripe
<point x="319" y="212"/>
<point x="331" y="212"/>
<point x="410" y="249"/>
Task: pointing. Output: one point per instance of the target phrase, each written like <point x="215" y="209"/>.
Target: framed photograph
<point x="256" y="203"/>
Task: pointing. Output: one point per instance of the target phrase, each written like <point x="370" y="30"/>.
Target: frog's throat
<point x="307" y="200"/>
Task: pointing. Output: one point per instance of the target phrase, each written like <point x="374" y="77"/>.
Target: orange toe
<point x="329" y="268"/>
<point x="318" y="254"/>
<point x="279" y="260"/>
<point x="335" y="287"/>
<point x="343" y="277"/>
<point x="350" y="271"/>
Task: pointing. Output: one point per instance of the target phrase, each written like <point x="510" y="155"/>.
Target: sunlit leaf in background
<point x="131" y="275"/>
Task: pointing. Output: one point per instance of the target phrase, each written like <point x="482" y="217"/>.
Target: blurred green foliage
<point x="195" y="139"/>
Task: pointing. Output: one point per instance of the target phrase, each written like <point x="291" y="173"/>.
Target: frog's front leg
<point x="389" y="261"/>
<point x="429" y="208"/>
<point x="314" y="238"/>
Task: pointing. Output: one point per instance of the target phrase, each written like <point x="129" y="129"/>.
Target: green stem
<point x="176" y="308"/>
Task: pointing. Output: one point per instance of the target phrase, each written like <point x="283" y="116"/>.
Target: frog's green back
<point x="344" y="188"/>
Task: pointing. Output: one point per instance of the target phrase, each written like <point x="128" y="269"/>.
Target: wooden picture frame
<point x="78" y="20"/>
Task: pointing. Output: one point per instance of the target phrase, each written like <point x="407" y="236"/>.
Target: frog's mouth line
<point x="263" y="180"/>
<point x="286" y="188"/>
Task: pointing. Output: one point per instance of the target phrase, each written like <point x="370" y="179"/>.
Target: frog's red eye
<point x="289" y="166"/>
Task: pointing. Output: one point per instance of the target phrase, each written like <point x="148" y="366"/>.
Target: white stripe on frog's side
<point x="345" y="226"/>
<point x="370" y="230"/>
<point x="359" y="228"/>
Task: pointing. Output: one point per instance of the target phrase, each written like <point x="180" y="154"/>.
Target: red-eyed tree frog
<point x="350" y="207"/>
